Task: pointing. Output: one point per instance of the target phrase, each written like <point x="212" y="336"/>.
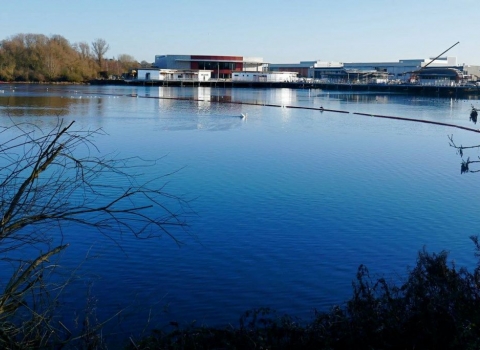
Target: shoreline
<point x="410" y="89"/>
<point x="457" y="92"/>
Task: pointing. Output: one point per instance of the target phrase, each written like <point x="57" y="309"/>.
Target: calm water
<point x="289" y="202"/>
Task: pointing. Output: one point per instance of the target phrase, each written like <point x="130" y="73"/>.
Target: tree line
<point x="41" y="58"/>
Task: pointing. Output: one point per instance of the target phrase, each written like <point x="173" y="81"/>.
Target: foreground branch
<point x="49" y="180"/>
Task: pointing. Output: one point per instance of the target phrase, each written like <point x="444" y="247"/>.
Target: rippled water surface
<point x="289" y="202"/>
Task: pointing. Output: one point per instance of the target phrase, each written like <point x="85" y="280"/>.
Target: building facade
<point x="173" y="74"/>
<point x="473" y="72"/>
<point x="221" y="67"/>
<point x="303" y="69"/>
<point x="267" y="77"/>
<point x="402" y="70"/>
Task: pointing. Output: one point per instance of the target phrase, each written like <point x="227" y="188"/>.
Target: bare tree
<point x="52" y="179"/>
<point x="83" y="49"/>
<point x="465" y="166"/>
<point x="100" y="48"/>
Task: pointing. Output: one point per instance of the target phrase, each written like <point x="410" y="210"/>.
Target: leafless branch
<point x="56" y="178"/>
<point x="465" y="165"/>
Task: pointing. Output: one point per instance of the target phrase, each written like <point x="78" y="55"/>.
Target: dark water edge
<point x="464" y="92"/>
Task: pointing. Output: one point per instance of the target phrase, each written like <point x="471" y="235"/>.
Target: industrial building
<point x="438" y="76"/>
<point x="339" y="72"/>
<point x="473" y="72"/>
<point x="442" y="70"/>
<point x="403" y="69"/>
<point x="303" y="69"/>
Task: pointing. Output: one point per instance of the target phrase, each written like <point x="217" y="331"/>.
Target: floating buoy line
<point x="320" y="109"/>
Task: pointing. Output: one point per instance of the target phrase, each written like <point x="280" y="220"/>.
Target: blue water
<point x="288" y="202"/>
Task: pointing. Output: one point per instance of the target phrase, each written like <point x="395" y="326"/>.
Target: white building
<point x="173" y="74"/>
<point x="473" y="72"/>
<point x="264" y="76"/>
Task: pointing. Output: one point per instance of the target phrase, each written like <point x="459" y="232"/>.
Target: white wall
<point x="198" y="75"/>
<point x="143" y="73"/>
<point x="170" y="74"/>
<point x="264" y="77"/>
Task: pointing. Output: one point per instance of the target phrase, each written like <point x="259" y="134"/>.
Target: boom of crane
<point x="414" y="75"/>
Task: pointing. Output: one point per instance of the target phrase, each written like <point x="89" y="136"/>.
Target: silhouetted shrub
<point x="437" y="307"/>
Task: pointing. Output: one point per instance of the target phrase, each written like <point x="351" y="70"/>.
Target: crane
<point x="414" y="75"/>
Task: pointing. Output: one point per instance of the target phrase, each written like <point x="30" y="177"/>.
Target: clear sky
<point x="279" y="31"/>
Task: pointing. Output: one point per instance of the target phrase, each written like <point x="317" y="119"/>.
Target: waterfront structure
<point x="473" y="72"/>
<point x="400" y="71"/>
<point x="403" y="69"/>
<point x="173" y="74"/>
<point x="438" y="76"/>
<point x="378" y="72"/>
<point x="244" y="71"/>
<point x="221" y="67"/>
<point x="305" y="69"/>
<point x="264" y="76"/>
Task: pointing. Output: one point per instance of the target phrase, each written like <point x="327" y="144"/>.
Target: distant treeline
<point x="39" y="58"/>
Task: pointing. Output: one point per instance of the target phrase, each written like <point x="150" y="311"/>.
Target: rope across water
<point x="320" y="109"/>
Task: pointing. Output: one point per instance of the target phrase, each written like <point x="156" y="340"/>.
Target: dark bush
<point x="437" y="307"/>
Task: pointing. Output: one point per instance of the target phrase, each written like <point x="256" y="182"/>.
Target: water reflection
<point x="16" y="106"/>
<point x="375" y="97"/>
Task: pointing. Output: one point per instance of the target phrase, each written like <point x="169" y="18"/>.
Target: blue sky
<point x="280" y="31"/>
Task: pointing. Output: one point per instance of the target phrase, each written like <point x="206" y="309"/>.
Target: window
<point x="216" y="65"/>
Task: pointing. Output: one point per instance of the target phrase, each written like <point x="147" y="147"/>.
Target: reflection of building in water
<point x="286" y="96"/>
<point x="202" y="96"/>
<point x="361" y="97"/>
<point x="204" y="93"/>
<point x="221" y="67"/>
<point x="221" y="98"/>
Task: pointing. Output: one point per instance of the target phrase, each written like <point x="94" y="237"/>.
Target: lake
<point x="288" y="202"/>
